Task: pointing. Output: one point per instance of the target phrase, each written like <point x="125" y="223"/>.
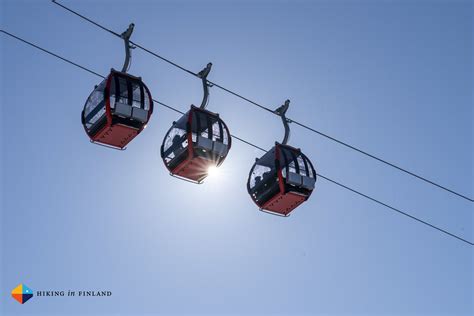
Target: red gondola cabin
<point x="117" y="110"/>
<point x="197" y="141"/>
<point x="281" y="180"/>
<point x="284" y="177"/>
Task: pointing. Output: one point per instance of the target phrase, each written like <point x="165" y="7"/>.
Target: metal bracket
<point x="203" y="75"/>
<point x="273" y="213"/>
<point x="281" y="111"/>
<point x="185" y="179"/>
<point x="108" y="146"/>
<point x="126" y="38"/>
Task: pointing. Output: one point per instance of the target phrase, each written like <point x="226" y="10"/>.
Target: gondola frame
<point x="116" y="134"/>
<point x="291" y="199"/>
<point x="192" y="160"/>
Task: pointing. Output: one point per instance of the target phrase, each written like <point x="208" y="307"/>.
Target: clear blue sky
<point x="394" y="78"/>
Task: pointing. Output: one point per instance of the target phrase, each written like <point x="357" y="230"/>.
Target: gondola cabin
<point x="197" y="141"/>
<point x="117" y="110"/>
<point x="281" y="180"/>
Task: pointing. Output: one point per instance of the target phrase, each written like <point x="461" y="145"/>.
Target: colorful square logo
<point x="22" y="293"/>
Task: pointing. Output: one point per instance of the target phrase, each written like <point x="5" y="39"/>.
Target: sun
<point x="213" y="171"/>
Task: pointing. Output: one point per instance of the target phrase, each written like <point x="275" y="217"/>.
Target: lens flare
<point x="213" y="171"/>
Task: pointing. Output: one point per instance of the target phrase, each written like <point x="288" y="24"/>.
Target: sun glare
<point x="213" y="171"/>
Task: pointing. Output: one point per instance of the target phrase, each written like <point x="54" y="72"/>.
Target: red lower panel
<point x="118" y="135"/>
<point x="194" y="169"/>
<point x="284" y="203"/>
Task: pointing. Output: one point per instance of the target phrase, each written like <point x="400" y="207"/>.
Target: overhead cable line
<point x="305" y="126"/>
<point x="252" y="145"/>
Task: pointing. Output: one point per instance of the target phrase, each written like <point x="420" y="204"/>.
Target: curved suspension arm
<point x="282" y="112"/>
<point x="203" y="75"/>
<point x="126" y="38"/>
